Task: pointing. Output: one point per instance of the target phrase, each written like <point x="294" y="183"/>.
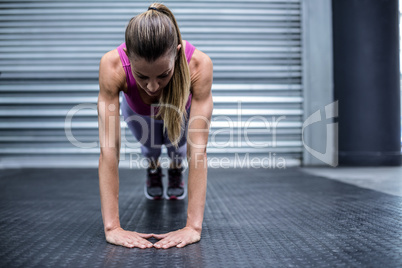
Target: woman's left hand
<point x="179" y="238"/>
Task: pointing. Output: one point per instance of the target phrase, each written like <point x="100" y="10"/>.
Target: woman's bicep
<point x="108" y="108"/>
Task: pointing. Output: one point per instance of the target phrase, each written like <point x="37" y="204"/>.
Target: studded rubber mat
<point x="253" y="218"/>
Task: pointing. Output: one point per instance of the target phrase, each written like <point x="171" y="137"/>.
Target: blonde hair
<point x="150" y="35"/>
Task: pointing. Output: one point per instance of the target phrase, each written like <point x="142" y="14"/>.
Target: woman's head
<point x="159" y="65"/>
<point x="152" y="34"/>
<point x="153" y="76"/>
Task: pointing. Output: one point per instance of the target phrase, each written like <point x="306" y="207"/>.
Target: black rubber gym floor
<point x="253" y="218"/>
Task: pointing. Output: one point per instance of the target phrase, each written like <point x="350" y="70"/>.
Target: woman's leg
<point x="176" y="188"/>
<point x="147" y="131"/>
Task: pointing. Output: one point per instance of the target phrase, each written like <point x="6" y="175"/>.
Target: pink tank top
<point x="133" y="96"/>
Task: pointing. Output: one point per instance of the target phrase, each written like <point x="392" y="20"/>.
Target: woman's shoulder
<point x="199" y="59"/>
<point x="201" y="69"/>
<point x="111" y="68"/>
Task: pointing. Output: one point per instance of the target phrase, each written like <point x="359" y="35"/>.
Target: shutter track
<point x="49" y="58"/>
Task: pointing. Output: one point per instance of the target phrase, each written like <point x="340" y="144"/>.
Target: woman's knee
<point x="179" y="154"/>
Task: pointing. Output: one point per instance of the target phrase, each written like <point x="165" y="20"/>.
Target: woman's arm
<point x="198" y="130"/>
<point x="109" y="137"/>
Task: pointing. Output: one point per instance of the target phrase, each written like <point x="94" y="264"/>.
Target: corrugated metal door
<point x="49" y="58"/>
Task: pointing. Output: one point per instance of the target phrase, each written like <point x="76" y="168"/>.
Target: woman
<point x="166" y="82"/>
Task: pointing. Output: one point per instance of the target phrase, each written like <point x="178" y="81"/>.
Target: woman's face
<point x="153" y="77"/>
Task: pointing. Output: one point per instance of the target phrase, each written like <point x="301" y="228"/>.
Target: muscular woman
<point x="167" y="100"/>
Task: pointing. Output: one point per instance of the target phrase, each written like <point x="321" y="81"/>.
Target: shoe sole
<point x="151" y="197"/>
<point x="173" y="197"/>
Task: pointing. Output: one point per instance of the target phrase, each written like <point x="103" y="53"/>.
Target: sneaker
<point x="176" y="189"/>
<point x="153" y="188"/>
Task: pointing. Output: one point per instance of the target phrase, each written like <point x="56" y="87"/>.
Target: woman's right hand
<point x="129" y="239"/>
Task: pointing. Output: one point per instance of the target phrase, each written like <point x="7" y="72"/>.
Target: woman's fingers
<point x="128" y="238"/>
<point x="137" y="243"/>
<point x="181" y="244"/>
<point x="135" y="240"/>
<point x="171" y="244"/>
<point x="176" y="243"/>
<point x="128" y="245"/>
<point x="144" y="243"/>
<point x="165" y="243"/>
<point x="161" y="243"/>
<point x="169" y="241"/>
<point x="179" y="238"/>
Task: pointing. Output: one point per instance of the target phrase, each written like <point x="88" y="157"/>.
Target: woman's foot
<point x="176" y="188"/>
<point x="154" y="188"/>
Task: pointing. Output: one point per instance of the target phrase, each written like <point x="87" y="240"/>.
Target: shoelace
<point x="175" y="178"/>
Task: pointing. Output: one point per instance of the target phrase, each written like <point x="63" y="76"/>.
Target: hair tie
<point x="154" y="8"/>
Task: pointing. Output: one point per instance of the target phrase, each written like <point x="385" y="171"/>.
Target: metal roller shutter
<point x="49" y="58"/>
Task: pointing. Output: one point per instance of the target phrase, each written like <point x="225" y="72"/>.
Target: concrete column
<point x="366" y="81"/>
